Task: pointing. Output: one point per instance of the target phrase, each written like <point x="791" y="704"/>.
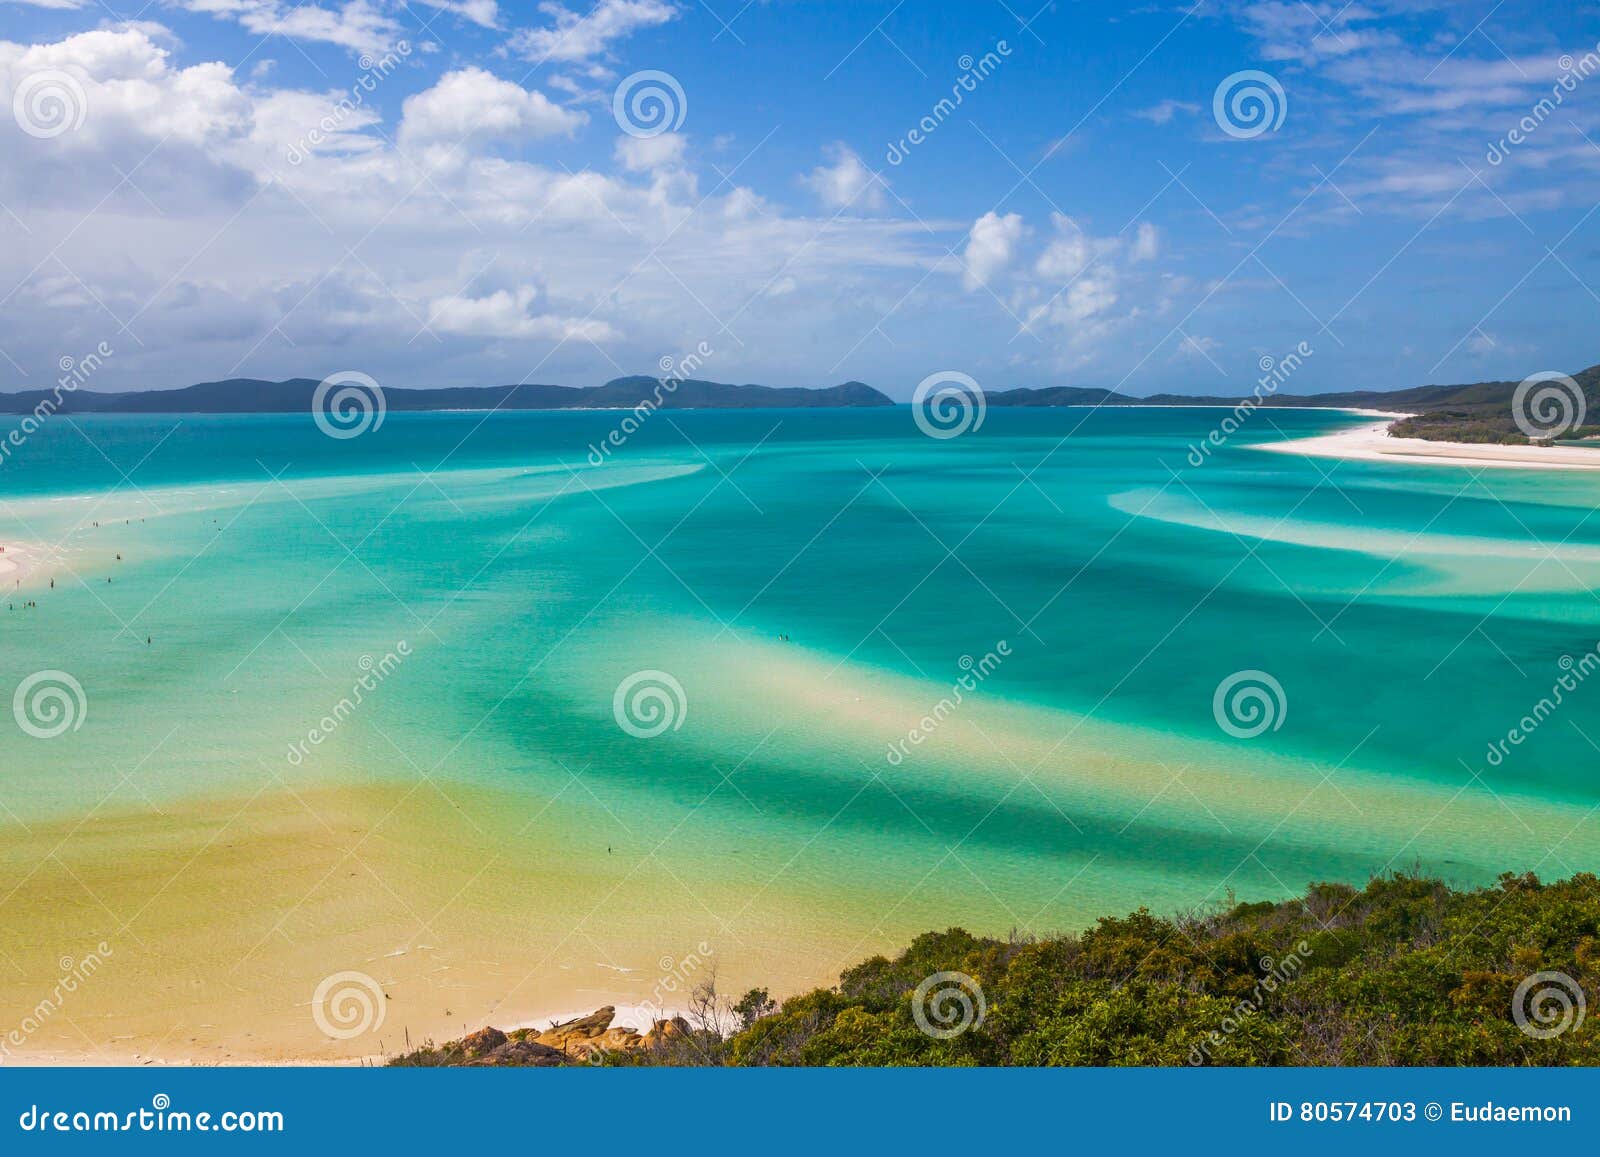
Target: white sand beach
<point x="1374" y="444"/>
<point x="18" y="561"/>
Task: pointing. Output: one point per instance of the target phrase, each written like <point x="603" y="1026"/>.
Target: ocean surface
<point x="821" y="681"/>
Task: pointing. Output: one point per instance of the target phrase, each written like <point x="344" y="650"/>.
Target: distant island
<point x="1478" y="412"/>
<point x="254" y="396"/>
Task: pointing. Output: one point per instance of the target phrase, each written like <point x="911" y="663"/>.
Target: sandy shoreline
<point x="18" y="562"/>
<point x="461" y="913"/>
<point x="1374" y="444"/>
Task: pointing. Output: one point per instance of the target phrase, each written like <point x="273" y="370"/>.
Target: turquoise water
<point x="816" y="581"/>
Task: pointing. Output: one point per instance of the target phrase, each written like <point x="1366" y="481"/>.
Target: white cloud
<point x="1079" y="307"/>
<point x="648" y="154"/>
<point x="575" y="37"/>
<point x="1196" y="348"/>
<point x="1164" y="112"/>
<point x="508" y="313"/>
<point x="1146" y="243"/>
<point x="356" y="25"/>
<point x="472" y="103"/>
<point x="1075" y="286"/>
<point x="1309" y="33"/>
<point x="847" y="183"/>
<point x="1068" y="253"/>
<point x="484" y="13"/>
<point x="129" y="90"/>
<point x="991" y="247"/>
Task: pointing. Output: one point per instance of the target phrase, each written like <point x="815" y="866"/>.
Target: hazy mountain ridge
<point x="1479" y="411"/>
<point x="1491" y="396"/>
<point x="294" y="395"/>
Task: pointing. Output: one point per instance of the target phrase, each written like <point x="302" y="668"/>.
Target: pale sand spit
<point x="1374" y="444"/>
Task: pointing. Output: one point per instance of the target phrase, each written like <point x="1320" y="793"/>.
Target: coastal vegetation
<point x="1485" y="412"/>
<point x="1406" y="971"/>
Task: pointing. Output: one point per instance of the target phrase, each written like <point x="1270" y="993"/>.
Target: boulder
<point x="664" y="1030"/>
<point x="520" y="1054"/>
<point x="612" y="1040"/>
<point x="560" y="1036"/>
<point x="583" y="1039"/>
<point x="485" y="1040"/>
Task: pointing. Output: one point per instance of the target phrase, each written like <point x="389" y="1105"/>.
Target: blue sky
<point x="195" y="184"/>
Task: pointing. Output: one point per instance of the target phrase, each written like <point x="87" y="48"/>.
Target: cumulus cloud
<point x="847" y="183"/>
<point x="648" y="154"/>
<point x="1068" y="252"/>
<point x="1064" y="280"/>
<point x="474" y="103"/>
<point x="991" y="247"/>
<point x="575" y="36"/>
<point x="510" y="313"/>
<point x="1082" y="306"/>
<point x="126" y="88"/>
